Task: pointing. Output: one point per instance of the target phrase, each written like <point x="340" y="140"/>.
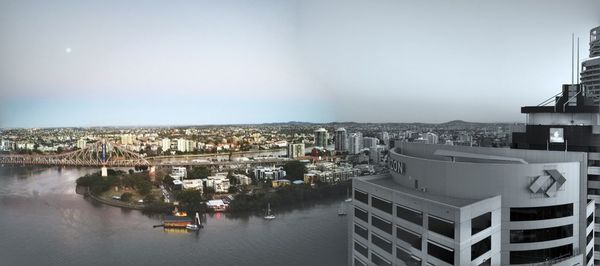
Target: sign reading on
<point x="397" y="166"/>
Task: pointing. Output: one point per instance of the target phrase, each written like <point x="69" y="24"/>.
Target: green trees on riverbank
<point x="99" y="184"/>
<point x="287" y="196"/>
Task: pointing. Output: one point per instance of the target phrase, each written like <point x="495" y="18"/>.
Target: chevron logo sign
<point x="547" y="184"/>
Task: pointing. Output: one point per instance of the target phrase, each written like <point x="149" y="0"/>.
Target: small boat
<point x="192" y="227"/>
<point x="342" y="210"/>
<point x="269" y="215"/>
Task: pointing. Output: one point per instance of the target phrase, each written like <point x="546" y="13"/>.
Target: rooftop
<point x="386" y="181"/>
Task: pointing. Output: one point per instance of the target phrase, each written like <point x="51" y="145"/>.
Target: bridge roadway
<point x="182" y="160"/>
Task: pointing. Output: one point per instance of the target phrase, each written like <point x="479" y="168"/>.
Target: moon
<point x="68" y="50"/>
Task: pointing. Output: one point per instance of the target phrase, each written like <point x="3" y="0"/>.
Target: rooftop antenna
<point x="572" y="56"/>
<point x="577" y="77"/>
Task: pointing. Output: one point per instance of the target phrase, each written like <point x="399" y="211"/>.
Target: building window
<point x="381" y="224"/>
<point x="409" y="214"/>
<point x="358" y="262"/>
<point x="440" y="252"/>
<point x="361" y="249"/>
<point x="381" y="243"/>
<point x="360" y="214"/>
<point x="361" y="231"/>
<point x="481" y="223"/>
<point x="407" y="258"/>
<point x="541" y="213"/>
<point x="379" y="260"/>
<point x="441" y="226"/>
<point x="409" y="237"/>
<point x="382" y="205"/>
<point x="541" y="255"/>
<point x="542" y="234"/>
<point x="361" y="196"/>
<point x="481" y="247"/>
<point x="487" y="262"/>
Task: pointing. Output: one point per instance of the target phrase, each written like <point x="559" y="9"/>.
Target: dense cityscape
<point x="146" y="133"/>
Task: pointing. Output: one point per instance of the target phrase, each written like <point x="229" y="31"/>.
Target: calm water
<point x="44" y="222"/>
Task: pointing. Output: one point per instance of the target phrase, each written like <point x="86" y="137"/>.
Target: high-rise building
<point x="166" y="144"/>
<point x="355" y="143"/>
<point x="369" y="142"/>
<point x="295" y="150"/>
<point x="126" y="139"/>
<point x="182" y="145"/>
<point x="341" y="142"/>
<point x="321" y="137"/>
<point x="460" y="205"/>
<point x="590" y="68"/>
<point x="571" y="124"/>
<point x="81" y="143"/>
<point x="384" y="137"/>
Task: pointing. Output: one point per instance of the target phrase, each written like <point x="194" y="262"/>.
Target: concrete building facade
<point x="341" y="140"/>
<point x="458" y="205"/>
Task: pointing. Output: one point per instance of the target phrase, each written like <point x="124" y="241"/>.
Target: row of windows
<point x="541" y="234"/>
<point x="438" y="225"/>
<point x="541" y="255"/>
<point x="401" y="254"/>
<point x="541" y="213"/>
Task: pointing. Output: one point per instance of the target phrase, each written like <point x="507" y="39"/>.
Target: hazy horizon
<point x="112" y="63"/>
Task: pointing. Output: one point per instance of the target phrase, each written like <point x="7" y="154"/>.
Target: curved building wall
<point x="484" y="178"/>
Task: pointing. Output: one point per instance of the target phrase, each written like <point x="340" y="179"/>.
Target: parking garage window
<point x="440" y="252"/>
<point x="361" y="214"/>
<point x="361" y="196"/>
<point x="481" y="247"/>
<point x="481" y="223"/>
<point x="381" y="204"/>
<point x="361" y="231"/>
<point x="409" y="214"/>
<point x="381" y="224"/>
<point x="441" y="226"/>
<point x="409" y="237"/>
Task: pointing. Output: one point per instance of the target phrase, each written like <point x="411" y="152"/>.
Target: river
<point x="44" y="222"/>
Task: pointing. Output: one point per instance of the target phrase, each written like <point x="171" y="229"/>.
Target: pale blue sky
<point x="211" y="62"/>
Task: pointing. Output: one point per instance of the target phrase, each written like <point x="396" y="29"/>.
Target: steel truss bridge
<point x="113" y="155"/>
<point x="97" y="154"/>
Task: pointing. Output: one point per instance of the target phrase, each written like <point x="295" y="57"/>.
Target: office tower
<point x="341" y="140"/>
<point x="355" y="143"/>
<point x="431" y="138"/>
<point x="571" y="122"/>
<point x="295" y="150"/>
<point x="321" y="137"/>
<point x="590" y="68"/>
<point x="460" y="205"/>
<point x="369" y="142"/>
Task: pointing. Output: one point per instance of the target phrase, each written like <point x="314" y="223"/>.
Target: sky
<point x="134" y="63"/>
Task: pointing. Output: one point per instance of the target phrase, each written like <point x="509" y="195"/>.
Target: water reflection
<point x="45" y="222"/>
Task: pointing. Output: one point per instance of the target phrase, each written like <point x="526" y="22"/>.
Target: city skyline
<point x="101" y="64"/>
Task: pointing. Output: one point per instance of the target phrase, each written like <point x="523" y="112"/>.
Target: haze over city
<point x="73" y="63"/>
